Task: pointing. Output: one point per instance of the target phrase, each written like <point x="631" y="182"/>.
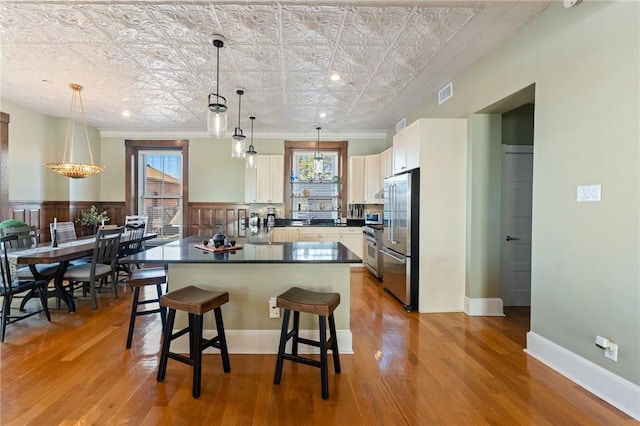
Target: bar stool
<point x="196" y="302"/>
<point x="141" y="278"/>
<point x="317" y="303"/>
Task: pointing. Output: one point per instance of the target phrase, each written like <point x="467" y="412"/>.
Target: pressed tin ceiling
<point x="155" y="59"/>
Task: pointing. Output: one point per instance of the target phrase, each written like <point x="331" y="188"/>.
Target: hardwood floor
<point x="408" y="369"/>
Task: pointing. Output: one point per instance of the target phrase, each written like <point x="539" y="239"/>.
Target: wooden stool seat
<point x="141" y="278"/>
<point x="196" y="302"/>
<point x="316" y="303"/>
<point x="311" y="302"/>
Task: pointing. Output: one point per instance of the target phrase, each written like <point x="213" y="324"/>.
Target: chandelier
<point x="250" y="155"/>
<point x="67" y="167"/>
<point x="217" y="110"/>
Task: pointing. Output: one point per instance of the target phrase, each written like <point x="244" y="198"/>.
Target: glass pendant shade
<point x="217" y="117"/>
<point x="238" y="140"/>
<point x="217" y="105"/>
<point x="250" y="155"/>
<point x="318" y="159"/>
<point x="238" y="144"/>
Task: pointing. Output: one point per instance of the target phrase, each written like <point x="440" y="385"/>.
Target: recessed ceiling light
<point x="126" y="113"/>
<point x="323" y="114"/>
<point x="335" y="77"/>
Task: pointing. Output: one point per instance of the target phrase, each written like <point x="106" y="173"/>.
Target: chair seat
<point x="24" y="273"/>
<point x="194" y="300"/>
<point x="147" y="276"/>
<point x="83" y="272"/>
<point x="312" y="302"/>
<point x="20" y="286"/>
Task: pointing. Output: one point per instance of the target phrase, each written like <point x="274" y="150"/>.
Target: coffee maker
<point x="271" y="216"/>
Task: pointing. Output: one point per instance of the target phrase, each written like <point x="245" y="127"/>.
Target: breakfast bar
<point x="252" y="275"/>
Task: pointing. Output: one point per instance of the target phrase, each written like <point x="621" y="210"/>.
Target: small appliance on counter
<point x="271" y="216"/>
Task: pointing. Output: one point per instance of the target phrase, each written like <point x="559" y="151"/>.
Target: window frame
<point x="340" y="147"/>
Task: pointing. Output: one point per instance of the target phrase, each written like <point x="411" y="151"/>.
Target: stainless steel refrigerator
<point x="400" y="242"/>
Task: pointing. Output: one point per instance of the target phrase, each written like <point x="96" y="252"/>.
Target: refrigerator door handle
<point x="399" y="259"/>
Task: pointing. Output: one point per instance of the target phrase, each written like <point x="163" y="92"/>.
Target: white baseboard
<point x="261" y="341"/>
<point x="615" y="390"/>
<point x="483" y="307"/>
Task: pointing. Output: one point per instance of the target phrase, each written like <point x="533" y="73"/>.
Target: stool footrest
<point x="150" y="311"/>
<point x="181" y="358"/>
<point x="303" y="360"/>
<point x="309" y="342"/>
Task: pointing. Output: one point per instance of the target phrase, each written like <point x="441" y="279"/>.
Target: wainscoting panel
<point x="204" y="217"/>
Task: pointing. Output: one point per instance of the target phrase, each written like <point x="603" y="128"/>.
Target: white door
<point x="517" y="179"/>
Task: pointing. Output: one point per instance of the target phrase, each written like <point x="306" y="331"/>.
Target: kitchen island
<point x="252" y="275"/>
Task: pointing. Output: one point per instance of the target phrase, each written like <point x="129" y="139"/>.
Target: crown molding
<point x="271" y="134"/>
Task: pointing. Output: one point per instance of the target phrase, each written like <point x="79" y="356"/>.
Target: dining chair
<point x="27" y="238"/>
<point x="11" y="287"/>
<point x="102" y="266"/>
<point x="66" y="231"/>
<point x="136" y="220"/>
<point x="133" y="246"/>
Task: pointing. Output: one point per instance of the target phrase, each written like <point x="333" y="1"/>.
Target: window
<point x="308" y="196"/>
<point x="157" y="185"/>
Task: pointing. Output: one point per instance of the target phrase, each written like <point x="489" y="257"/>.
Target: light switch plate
<point x="589" y="193"/>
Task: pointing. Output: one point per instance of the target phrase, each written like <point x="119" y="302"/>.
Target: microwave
<point x="373" y="218"/>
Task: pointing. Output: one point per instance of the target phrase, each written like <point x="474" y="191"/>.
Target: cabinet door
<point x="372" y="179"/>
<point x="386" y="165"/>
<point x="413" y="145"/>
<point x="276" y="179"/>
<point x="400" y="151"/>
<point x="279" y="235"/>
<point x="356" y="179"/>
<point x="263" y="178"/>
<point x="250" y="185"/>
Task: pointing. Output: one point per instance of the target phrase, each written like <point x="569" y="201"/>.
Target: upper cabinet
<point x="385" y="165"/>
<point x="264" y="184"/>
<point x="356" y="179"/>
<point x="406" y="148"/>
<point x="372" y="186"/>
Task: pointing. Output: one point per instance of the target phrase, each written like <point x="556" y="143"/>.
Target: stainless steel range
<point x="373" y="240"/>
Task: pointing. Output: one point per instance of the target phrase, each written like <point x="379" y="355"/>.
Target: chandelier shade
<point x="250" y="155"/>
<point x="238" y="140"/>
<point x="318" y="158"/>
<point x="68" y="167"/>
<point x="217" y="104"/>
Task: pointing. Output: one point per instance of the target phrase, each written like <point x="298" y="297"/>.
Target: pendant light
<point x="250" y="158"/>
<point x="238" y="140"/>
<point x="217" y="111"/>
<point x="318" y="158"/>
<point x="68" y="167"/>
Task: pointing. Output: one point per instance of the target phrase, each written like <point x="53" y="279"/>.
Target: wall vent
<point x="445" y="93"/>
<point x="401" y="124"/>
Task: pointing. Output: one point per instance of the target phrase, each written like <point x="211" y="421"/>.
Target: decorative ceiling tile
<point x="156" y="58"/>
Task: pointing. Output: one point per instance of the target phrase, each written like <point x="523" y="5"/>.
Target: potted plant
<point x="91" y="217"/>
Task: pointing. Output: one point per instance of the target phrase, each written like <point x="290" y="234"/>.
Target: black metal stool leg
<point x="132" y="320"/>
<point x="334" y="344"/>
<point x="222" y="339"/>
<point x="324" y="377"/>
<point x="283" y="342"/>
<point x="296" y="333"/>
<point x="166" y="342"/>
<point x="163" y="310"/>
<point x="196" y="354"/>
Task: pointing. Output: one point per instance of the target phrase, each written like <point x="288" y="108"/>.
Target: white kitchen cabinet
<point x="279" y="235"/>
<point x="372" y="186"/>
<point x="406" y="148"/>
<point x="265" y="183"/>
<point x="319" y="233"/>
<point x="356" y="179"/>
<point x="353" y="239"/>
<point x="385" y="164"/>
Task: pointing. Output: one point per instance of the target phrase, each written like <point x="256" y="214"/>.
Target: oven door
<point x="371" y="256"/>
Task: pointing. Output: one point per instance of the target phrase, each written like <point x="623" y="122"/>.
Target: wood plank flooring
<point x="408" y="369"/>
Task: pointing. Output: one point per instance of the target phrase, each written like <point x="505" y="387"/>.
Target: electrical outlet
<point x="611" y="352"/>
<point x="274" y="311"/>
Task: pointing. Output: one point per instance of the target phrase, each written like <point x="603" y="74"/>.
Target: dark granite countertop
<point x="318" y="222"/>
<point x="184" y="251"/>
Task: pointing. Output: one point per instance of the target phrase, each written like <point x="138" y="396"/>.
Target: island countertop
<point x="185" y="251"/>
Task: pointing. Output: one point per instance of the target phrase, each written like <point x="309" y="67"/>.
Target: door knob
<point x="510" y="238"/>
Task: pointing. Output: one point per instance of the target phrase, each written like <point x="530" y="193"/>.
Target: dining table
<point x="61" y="255"/>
